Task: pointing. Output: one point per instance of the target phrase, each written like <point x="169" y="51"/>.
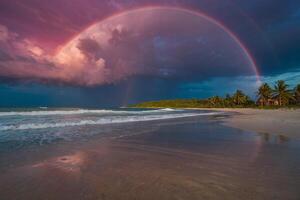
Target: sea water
<point x="19" y="128"/>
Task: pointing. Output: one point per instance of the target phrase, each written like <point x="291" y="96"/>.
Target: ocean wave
<point x="167" y="109"/>
<point x="102" y="121"/>
<point x="79" y="112"/>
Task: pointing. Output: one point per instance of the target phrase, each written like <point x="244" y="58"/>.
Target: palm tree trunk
<point x="280" y="101"/>
<point x="265" y="102"/>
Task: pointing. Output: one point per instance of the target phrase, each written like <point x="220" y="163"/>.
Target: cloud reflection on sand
<point x="191" y="159"/>
<point x="68" y="163"/>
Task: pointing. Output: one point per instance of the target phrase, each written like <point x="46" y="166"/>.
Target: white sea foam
<point x="103" y="120"/>
<point x="78" y="112"/>
<point x="167" y="109"/>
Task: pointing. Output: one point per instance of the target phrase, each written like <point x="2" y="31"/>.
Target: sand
<point x="190" y="158"/>
<point x="284" y="122"/>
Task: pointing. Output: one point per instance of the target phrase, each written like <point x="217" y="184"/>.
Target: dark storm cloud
<point x="5" y="56"/>
<point x="167" y="43"/>
<point x="90" y="48"/>
<point x="279" y="22"/>
<point x="269" y="28"/>
<point x="266" y="12"/>
<point x="22" y="59"/>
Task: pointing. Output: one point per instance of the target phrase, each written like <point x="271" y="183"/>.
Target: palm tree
<point x="297" y="94"/>
<point x="216" y="101"/>
<point x="239" y="98"/>
<point x="248" y="101"/>
<point x="264" y="93"/>
<point x="282" y="93"/>
<point x="228" y="101"/>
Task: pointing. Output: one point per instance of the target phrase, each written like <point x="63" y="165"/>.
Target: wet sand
<point x="281" y="122"/>
<point x="192" y="159"/>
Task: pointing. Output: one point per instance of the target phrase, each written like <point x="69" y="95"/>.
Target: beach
<point x="181" y="155"/>
<point x="285" y="122"/>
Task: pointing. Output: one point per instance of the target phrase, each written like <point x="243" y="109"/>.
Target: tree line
<point x="279" y="95"/>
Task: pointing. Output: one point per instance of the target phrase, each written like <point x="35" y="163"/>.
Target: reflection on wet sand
<point x="282" y="139"/>
<point x="186" y="161"/>
<point x="68" y="163"/>
<point x="266" y="137"/>
<point x="279" y="139"/>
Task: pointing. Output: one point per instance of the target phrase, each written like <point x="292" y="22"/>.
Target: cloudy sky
<point x="114" y="52"/>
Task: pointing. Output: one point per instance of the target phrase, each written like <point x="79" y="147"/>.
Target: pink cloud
<point x="161" y="42"/>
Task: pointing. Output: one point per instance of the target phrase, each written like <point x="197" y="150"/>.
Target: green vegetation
<point x="267" y="97"/>
<point x="264" y="94"/>
<point x="282" y="94"/>
<point x="297" y="93"/>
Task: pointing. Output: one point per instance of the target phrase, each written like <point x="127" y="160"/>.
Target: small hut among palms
<point x="265" y="97"/>
<point x="279" y="96"/>
<point x="267" y="102"/>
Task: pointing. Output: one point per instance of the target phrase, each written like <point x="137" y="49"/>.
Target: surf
<point x="102" y="121"/>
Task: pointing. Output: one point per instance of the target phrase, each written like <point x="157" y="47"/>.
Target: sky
<point x="107" y="53"/>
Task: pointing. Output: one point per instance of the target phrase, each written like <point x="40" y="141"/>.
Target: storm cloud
<point x="159" y="59"/>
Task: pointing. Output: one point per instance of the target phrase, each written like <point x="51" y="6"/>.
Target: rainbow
<point x="197" y="13"/>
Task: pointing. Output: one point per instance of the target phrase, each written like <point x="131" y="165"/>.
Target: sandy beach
<point x="284" y="122"/>
<point x="194" y="157"/>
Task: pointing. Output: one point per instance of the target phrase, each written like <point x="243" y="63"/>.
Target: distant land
<point x="280" y="96"/>
<point x="201" y="103"/>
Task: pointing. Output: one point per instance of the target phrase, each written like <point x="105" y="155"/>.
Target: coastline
<point x="285" y="122"/>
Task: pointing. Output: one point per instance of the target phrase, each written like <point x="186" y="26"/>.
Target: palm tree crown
<point x="282" y="93"/>
<point x="239" y="98"/>
<point x="264" y="93"/>
<point x="216" y="101"/>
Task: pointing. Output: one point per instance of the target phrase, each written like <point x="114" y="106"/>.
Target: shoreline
<point x="284" y="121"/>
<point x="195" y="158"/>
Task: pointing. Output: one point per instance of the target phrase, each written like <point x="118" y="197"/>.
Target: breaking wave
<point x="99" y="121"/>
<point x="79" y="112"/>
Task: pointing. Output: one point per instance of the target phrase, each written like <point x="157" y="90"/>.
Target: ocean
<point x="21" y="127"/>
